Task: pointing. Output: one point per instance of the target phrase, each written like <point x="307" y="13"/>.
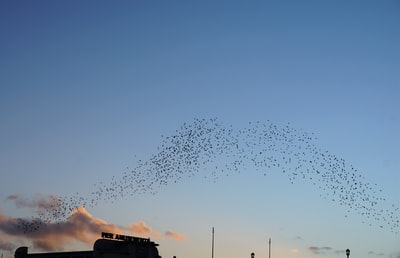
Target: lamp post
<point x="347" y="253"/>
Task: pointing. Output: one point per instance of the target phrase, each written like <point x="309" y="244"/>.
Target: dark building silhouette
<point x="109" y="246"/>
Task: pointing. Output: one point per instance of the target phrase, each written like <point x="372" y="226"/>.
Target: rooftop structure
<point x="109" y="246"/>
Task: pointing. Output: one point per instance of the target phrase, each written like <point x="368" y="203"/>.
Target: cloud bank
<point x="80" y="226"/>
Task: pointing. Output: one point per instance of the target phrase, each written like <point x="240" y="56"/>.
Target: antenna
<point x="212" y="244"/>
<point x="269" y="250"/>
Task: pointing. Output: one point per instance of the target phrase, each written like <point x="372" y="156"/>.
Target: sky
<point x="165" y="119"/>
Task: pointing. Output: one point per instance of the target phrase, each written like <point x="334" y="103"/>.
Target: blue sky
<point x="89" y="88"/>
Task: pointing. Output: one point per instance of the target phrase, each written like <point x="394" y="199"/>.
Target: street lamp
<point x="347" y="252"/>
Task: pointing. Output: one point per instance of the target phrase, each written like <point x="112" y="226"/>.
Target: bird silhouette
<point x="197" y="148"/>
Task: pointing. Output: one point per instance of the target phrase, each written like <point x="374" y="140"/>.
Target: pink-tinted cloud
<point x="6" y="244"/>
<point x="295" y="250"/>
<point x="140" y="228"/>
<point x="39" y="201"/>
<point x="47" y="207"/>
<point x="175" y="235"/>
<point x="9" y="233"/>
<point x="80" y="226"/>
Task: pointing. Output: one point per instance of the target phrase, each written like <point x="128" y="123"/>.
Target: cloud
<point x="295" y="250"/>
<point x="47" y="207"/>
<point x="175" y="235"/>
<point x="342" y="251"/>
<point x="80" y="226"/>
<point x="10" y="239"/>
<point x="141" y="229"/>
<point x="6" y="244"/>
<point x="326" y="250"/>
<point x="319" y="250"/>
<point x="7" y="223"/>
<point x="374" y="253"/>
<point x="39" y="202"/>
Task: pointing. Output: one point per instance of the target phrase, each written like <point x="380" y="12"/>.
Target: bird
<point x="197" y="147"/>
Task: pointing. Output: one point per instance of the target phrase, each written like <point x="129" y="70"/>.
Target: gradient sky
<point x="89" y="87"/>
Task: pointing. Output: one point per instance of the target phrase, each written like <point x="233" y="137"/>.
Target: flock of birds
<point x="208" y="148"/>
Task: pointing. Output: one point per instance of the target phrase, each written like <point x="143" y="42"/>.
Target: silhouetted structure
<point x="110" y="246"/>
